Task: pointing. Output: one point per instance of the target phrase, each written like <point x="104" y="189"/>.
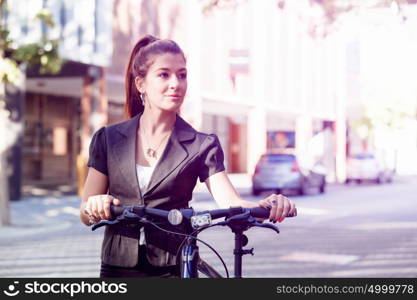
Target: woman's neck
<point x="157" y="122"/>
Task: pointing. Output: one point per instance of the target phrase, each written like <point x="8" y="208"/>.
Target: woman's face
<point x="165" y="83"/>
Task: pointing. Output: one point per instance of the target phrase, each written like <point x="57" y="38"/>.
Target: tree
<point x="380" y="125"/>
<point x="13" y="60"/>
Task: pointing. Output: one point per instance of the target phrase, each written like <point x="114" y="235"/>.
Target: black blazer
<point x="189" y="155"/>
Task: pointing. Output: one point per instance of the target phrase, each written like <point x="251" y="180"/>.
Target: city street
<point x="159" y="94"/>
<point x="363" y="230"/>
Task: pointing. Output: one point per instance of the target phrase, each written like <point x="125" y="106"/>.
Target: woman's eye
<point x="164" y="75"/>
<point x="182" y="76"/>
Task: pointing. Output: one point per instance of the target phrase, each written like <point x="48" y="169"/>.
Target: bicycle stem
<point x="240" y="241"/>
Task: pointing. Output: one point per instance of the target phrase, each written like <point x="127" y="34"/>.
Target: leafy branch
<point x="43" y="53"/>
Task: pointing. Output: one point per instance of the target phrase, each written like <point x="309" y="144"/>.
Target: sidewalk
<point x="37" y="215"/>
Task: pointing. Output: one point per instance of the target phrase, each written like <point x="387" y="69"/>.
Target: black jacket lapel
<point x="174" y="154"/>
<point x="124" y="151"/>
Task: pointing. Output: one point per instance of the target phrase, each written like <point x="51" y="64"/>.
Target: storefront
<point x="61" y="112"/>
<point x="51" y="139"/>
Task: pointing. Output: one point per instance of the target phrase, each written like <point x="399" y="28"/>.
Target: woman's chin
<point x="174" y="107"/>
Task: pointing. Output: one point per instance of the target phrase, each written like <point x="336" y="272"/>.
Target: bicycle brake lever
<point x="104" y="222"/>
<point x="265" y="225"/>
<point x="130" y="217"/>
<point x="238" y="218"/>
<point x="235" y="219"/>
<point x="127" y="216"/>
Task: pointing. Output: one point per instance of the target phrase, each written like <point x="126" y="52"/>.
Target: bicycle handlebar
<point x="175" y="216"/>
<point x="257" y="212"/>
<point x="238" y="219"/>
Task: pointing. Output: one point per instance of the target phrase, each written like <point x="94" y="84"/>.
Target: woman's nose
<point x="173" y="82"/>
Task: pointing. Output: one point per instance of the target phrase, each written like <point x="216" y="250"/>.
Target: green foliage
<point x="380" y="116"/>
<point x="43" y="53"/>
<point x="9" y="71"/>
<point x="5" y="40"/>
<point x="44" y="15"/>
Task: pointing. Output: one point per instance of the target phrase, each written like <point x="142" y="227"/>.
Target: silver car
<point x="281" y="171"/>
<point x="369" y="166"/>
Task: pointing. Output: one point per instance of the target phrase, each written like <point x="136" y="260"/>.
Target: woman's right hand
<point x="97" y="207"/>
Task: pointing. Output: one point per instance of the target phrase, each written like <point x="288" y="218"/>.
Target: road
<point x="350" y="231"/>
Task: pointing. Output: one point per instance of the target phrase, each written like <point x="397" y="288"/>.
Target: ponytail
<point x="134" y="105"/>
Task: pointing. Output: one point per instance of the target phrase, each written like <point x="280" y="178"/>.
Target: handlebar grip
<point x="259" y="212"/>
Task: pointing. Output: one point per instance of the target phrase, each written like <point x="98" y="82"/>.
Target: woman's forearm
<point x="224" y="192"/>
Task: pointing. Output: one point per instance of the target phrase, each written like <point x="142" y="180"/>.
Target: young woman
<point x="154" y="159"/>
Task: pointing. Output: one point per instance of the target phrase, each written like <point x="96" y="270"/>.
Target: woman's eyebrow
<point x="168" y="69"/>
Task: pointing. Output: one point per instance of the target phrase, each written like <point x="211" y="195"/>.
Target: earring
<point x="141" y="99"/>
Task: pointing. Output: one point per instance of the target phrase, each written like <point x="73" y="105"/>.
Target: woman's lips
<point x="174" y="96"/>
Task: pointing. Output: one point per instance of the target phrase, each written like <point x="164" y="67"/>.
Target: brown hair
<point x="138" y="65"/>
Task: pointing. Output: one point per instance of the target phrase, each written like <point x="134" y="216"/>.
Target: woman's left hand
<point x="280" y="206"/>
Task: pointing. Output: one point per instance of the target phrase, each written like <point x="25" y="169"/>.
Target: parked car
<point x="281" y="171"/>
<point x="370" y="167"/>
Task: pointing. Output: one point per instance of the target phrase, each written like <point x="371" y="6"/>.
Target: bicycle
<point x="238" y="219"/>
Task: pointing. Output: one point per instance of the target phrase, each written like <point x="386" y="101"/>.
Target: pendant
<point x="151" y="153"/>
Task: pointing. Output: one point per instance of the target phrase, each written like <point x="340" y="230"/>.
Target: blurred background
<point x="329" y="83"/>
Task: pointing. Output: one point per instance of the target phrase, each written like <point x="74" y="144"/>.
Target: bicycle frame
<point x="189" y="259"/>
<point x="191" y="262"/>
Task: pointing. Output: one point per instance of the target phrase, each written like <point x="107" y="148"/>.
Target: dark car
<point x="281" y="171"/>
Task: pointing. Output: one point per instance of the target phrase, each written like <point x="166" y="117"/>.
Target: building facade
<point x="257" y="79"/>
<point x="382" y="106"/>
<point x="277" y="87"/>
<point x="61" y="111"/>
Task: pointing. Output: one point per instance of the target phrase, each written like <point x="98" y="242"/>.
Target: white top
<point x="144" y="175"/>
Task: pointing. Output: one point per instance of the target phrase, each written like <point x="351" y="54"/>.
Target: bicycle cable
<point x="211" y="248"/>
<point x="177" y="255"/>
<point x="144" y="220"/>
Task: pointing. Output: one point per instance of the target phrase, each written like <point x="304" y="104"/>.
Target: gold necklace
<point x="150" y="151"/>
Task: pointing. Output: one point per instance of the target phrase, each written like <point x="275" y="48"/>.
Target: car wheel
<point x="322" y="188"/>
<point x="347" y="181"/>
<point x="303" y="189"/>
<point x="358" y="181"/>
